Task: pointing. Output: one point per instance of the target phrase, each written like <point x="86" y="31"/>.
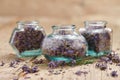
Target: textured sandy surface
<point x="53" y="12"/>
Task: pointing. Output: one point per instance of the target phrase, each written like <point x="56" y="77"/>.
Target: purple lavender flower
<point x="114" y="74"/>
<point x="81" y="72"/>
<point x="101" y="65"/>
<point x="116" y="58"/>
<point x="78" y="73"/>
<point x="105" y="59"/>
<point x="36" y="61"/>
<point x="34" y="69"/>
<point x="52" y="64"/>
<point x="25" y="68"/>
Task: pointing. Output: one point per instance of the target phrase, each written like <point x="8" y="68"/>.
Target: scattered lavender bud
<point x="51" y="71"/>
<point x="17" y="61"/>
<point x="63" y="72"/>
<point x="41" y="78"/>
<point x="60" y="70"/>
<point x="110" y="62"/>
<point x="2" y="63"/>
<point x="25" y="68"/>
<point x="97" y="65"/>
<point x="118" y="64"/>
<point x="27" y="77"/>
<point x="101" y="65"/>
<point x="41" y="61"/>
<point x="12" y="64"/>
<point x="52" y="64"/>
<point x="61" y="63"/>
<point x="73" y="62"/>
<point x="36" y="61"/>
<point x="105" y="59"/>
<point x="34" y="69"/>
<point x="114" y="74"/>
<point x="115" y="59"/>
<point x="55" y="64"/>
<point x="110" y="68"/>
<point x="16" y="78"/>
<point x="56" y="73"/>
<point x="109" y="56"/>
<point x="85" y="72"/>
<point x="81" y="72"/>
<point x="78" y="73"/>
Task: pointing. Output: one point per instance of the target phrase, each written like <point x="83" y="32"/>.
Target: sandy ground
<point x="52" y="12"/>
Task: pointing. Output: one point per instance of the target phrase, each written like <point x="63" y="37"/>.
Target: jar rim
<point x="27" y="22"/>
<point x="95" y="22"/>
<point x="63" y="27"/>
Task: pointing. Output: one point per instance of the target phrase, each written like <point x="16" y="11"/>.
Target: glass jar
<point x="99" y="37"/>
<point x="64" y="44"/>
<point x="27" y="38"/>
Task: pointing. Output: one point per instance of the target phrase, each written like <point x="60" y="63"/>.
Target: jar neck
<point x="95" y="25"/>
<point x="64" y="29"/>
<point x="25" y="24"/>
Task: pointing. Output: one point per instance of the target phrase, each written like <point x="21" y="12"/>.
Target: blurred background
<point x="53" y="12"/>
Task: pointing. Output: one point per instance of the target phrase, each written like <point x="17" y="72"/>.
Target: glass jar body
<point x="99" y="39"/>
<point x="27" y="38"/>
<point x="64" y="45"/>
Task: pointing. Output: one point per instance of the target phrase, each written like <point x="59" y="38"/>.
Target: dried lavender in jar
<point x="27" y="39"/>
<point x="64" y="44"/>
<point x="99" y="37"/>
